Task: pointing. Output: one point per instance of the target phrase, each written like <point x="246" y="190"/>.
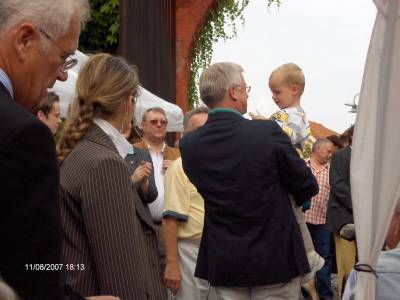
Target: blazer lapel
<point x="98" y="136"/>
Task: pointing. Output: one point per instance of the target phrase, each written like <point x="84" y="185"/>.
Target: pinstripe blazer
<point x="104" y="224"/>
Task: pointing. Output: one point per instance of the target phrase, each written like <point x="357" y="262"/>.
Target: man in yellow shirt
<point x="183" y="219"/>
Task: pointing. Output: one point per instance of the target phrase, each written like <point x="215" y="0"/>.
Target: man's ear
<point x="25" y="35"/>
<point x="232" y="93"/>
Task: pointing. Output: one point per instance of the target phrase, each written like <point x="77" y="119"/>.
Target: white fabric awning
<point x="375" y="161"/>
<point x="66" y="92"/>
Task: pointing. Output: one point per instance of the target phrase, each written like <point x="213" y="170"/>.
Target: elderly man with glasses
<point x="251" y="246"/>
<point x="37" y="39"/>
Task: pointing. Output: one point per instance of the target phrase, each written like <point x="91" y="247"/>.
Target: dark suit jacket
<point x="244" y="170"/>
<point x="340" y="208"/>
<point x="105" y="225"/>
<point x="30" y="227"/>
<point x="133" y="161"/>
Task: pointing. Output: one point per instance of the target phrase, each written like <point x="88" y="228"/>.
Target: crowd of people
<point x="237" y="212"/>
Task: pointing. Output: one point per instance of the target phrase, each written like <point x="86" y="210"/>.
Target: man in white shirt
<point x="154" y="126"/>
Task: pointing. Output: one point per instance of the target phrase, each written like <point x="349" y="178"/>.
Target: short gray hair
<point x="320" y="142"/>
<point x="154" y="109"/>
<point x="191" y="113"/>
<point x="216" y="80"/>
<point x="53" y="16"/>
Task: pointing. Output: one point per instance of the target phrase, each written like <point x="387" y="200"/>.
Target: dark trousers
<point x="321" y="238"/>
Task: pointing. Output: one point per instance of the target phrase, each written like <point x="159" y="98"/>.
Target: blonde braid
<point x="75" y="130"/>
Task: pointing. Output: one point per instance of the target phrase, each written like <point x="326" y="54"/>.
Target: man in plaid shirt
<point x="315" y="217"/>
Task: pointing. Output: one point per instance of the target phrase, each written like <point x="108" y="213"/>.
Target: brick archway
<point x="190" y="16"/>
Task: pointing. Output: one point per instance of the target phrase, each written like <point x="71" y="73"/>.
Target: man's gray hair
<point x="216" y="80"/>
<point x="154" y="109"/>
<point x="53" y="16"/>
<point x="191" y="113"/>
<point x="320" y="142"/>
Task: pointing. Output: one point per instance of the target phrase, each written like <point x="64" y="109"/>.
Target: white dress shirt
<point x="119" y="141"/>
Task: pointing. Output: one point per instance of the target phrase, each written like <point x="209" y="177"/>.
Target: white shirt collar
<point x="162" y="148"/>
<point x="119" y="141"/>
<point x="5" y="80"/>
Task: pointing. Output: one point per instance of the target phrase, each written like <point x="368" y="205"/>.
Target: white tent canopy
<point x="375" y="162"/>
<point x="66" y="92"/>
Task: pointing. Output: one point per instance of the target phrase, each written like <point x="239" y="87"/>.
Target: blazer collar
<point x="96" y="135"/>
<point x="225" y="115"/>
<point x="224" y="110"/>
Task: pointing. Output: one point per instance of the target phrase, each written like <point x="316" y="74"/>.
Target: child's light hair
<point x="292" y="74"/>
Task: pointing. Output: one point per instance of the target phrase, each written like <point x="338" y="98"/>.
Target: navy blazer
<point x="30" y="226"/>
<point x="245" y="170"/>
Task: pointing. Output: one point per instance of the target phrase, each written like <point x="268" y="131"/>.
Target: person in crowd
<point x="183" y="219"/>
<point x="49" y="112"/>
<point x="108" y="238"/>
<point x="251" y="246"/>
<point x="336" y="141"/>
<point x="37" y="39"/>
<point x="154" y="127"/>
<point x="287" y="84"/>
<point x="346" y="136"/>
<point x="387" y="268"/>
<point x="339" y="217"/>
<point x="140" y="167"/>
<point x="316" y="216"/>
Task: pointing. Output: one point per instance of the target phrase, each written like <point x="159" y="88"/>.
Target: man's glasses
<point x="156" y="122"/>
<point x="247" y="88"/>
<point x="69" y="62"/>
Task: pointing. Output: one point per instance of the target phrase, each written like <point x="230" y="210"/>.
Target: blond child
<point x="287" y="85"/>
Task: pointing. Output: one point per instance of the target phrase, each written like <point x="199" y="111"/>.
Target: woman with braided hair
<point x="109" y="244"/>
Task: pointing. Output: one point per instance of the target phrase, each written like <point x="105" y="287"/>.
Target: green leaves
<point x="101" y="33"/>
<point x="221" y="24"/>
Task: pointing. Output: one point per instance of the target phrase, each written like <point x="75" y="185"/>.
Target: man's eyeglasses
<point x="69" y="62"/>
<point x="247" y="88"/>
<point x="156" y="122"/>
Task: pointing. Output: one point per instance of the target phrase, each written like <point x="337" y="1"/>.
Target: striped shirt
<point x="319" y="203"/>
<point x="5" y="80"/>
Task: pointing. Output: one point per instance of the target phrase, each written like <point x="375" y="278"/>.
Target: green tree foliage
<point x="101" y="33"/>
<point x="221" y="24"/>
